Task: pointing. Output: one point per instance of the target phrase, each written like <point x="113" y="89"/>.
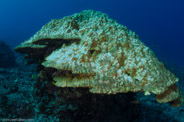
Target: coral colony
<point x="90" y="50"/>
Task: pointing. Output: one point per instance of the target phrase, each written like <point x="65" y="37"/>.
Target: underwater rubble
<point x="16" y="91"/>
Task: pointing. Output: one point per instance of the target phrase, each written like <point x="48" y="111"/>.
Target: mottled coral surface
<point x="90" y="50"/>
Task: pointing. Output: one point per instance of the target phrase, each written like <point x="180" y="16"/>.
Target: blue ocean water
<point x="159" y="24"/>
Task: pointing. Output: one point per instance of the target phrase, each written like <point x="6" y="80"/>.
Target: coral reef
<point x="16" y="92"/>
<point x="90" y="50"/>
<point x="6" y="55"/>
<point x="23" y="96"/>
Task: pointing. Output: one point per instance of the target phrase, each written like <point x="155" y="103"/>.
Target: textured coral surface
<point x="90" y="50"/>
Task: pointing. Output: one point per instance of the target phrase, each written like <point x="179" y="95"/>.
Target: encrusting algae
<point x="90" y="50"/>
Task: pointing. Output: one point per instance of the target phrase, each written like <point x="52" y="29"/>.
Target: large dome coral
<point x="90" y="50"/>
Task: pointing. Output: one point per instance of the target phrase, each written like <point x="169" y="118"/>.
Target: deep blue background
<point x="159" y="23"/>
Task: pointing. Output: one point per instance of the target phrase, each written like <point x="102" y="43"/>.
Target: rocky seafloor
<point x="22" y="96"/>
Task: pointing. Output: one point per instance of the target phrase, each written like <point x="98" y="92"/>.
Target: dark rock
<point x="3" y="71"/>
<point x="3" y="100"/>
<point x="7" y="56"/>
